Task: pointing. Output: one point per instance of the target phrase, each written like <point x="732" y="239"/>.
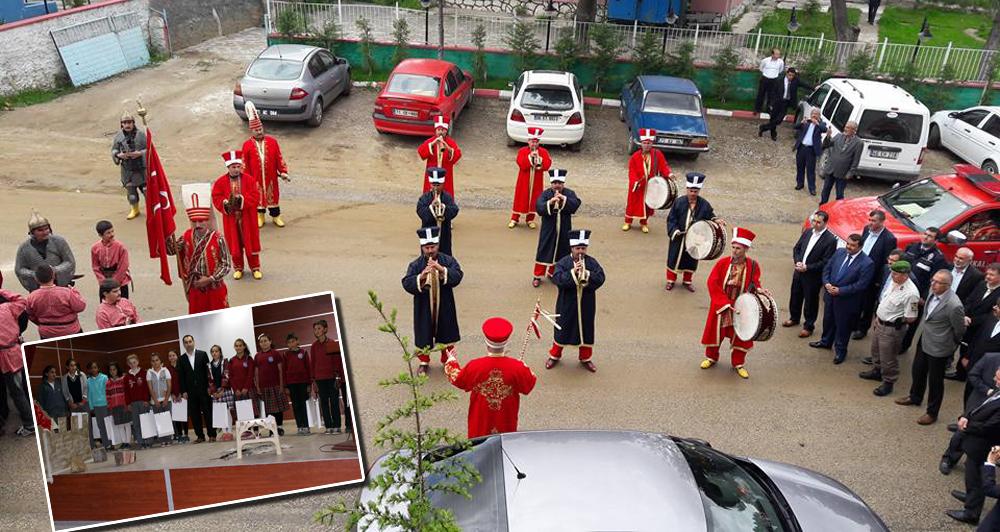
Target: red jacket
<point x="247" y="232"/>
<point x="496" y="383"/>
<point x="266" y="178"/>
<point x="175" y="382"/>
<point x="298" y="369"/>
<point x="720" y="301"/>
<point x="635" y="205"/>
<point x="324" y="365"/>
<point x="241" y="373"/>
<point x="448" y="160"/>
<point x="136" y="387"/>
<point x="269" y="368"/>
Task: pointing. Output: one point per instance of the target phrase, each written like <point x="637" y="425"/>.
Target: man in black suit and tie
<point x="845" y="278"/>
<point x="192" y="371"/>
<point x="967" y="279"/>
<point x="979" y="309"/>
<point x="979" y="386"/>
<point x="876" y="242"/>
<point x="808" y="148"/>
<point x="810" y="254"/>
<point x="980" y="429"/>
<point x="990" y="489"/>
<point x="987" y="340"/>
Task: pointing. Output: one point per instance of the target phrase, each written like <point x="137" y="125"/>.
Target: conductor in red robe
<point x="204" y="255"/>
<point x="441" y="151"/>
<point x="532" y="163"/>
<point x="643" y="165"/>
<point x="731" y="276"/>
<point x="234" y="195"/>
<point x="495" y="382"/>
<point x="263" y="160"/>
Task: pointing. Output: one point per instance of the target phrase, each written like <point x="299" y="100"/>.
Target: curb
<point x="497" y="94"/>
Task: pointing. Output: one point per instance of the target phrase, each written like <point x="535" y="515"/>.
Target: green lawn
<point x="33" y="96"/>
<point x="901" y="25"/>
<point x="809" y="26"/>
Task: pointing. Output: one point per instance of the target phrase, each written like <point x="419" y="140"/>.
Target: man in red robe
<point x="495" y="381"/>
<point x="204" y="256"/>
<point x="731" y="276"/>
<point x="643" y="165"/>
<point x="532" y="163"/>
<point x="234" y="195"/>
<point x="441" y="151"/>
<point x="263" y="161"/>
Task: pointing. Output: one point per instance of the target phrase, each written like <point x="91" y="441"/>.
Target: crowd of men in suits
<point x="870" y="284"/>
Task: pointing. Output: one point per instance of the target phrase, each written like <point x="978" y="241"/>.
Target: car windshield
<point x="672" y="102"/>
<point x="547" y="98"/>
<point x="890" y="126"/>
<point x="414" y="85"/>
<point x="924" y="204"/>
<point x="275" y="69"/>
<point x="486" y="509"/>
<point x="731" y="497"/>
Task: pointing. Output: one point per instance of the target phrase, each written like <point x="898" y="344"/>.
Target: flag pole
<point x="530" y="328"/>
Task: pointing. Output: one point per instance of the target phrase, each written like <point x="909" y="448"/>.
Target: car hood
<point x="669" y="123"/>
<point x="819" y="502"/>
<point x="851" y="215"/>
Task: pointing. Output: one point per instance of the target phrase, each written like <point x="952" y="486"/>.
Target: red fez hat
<point x="497" y="331"/>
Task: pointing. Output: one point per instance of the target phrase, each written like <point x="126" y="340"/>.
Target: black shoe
<point x="952" y="427"/>
<point x="774" y="135"/>
<point x="872" y="375"/>
<point x="945" y="467"/>
<point x="798" y="187"/>
<point x="281" y="431"/>
<point x="963" y="516"/>
<point x="857" y="335"/>
<point x="812" y="192"/>
<point x="958" y="494"/>
<point x="867" y="360"/>
<point x="883" y="390"/>
<point x="818" y="344"/>
<point x="839" y="360"/>
<point x="953" y="376"/>
<point x="760" y="132"/>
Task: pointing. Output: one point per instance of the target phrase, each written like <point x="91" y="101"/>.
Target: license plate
<point x="672" y="142"/>
<point x="884" y="154"/>
<point x="404" y="112"/>
<point x="548" y="118"/>
<point x="268" y="112"/>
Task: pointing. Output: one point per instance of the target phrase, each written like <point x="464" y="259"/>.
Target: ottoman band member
<point x="578" y="277"/>
<point x="203" y="257"/>
<point x="556" y="206"/>
<point x="431" y="278"/>
<point x="263" y="161"/>
<point x="644" y="164"/>
<point x="234" y="195"/>
<point x="441" y="151"/>
<point x="437" y="208"/>
<point x="532" y="163"/>
<point x="682" y="215"/>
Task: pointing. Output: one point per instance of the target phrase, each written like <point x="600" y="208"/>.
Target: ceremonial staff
<point x="533" y="325"/>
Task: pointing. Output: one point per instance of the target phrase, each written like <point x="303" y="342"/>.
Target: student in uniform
<point x="137" y="397"/>
<point x="270" y="380"/>
<point x="180" y="427"/>
<point x="241" y="375"/>
<point x="98" y="400"/>
<point x="218" y="385"/>
<point x="50" y="395"/>
<point x="299" y="381"/>
<point x="74" y="387"/>
<point x="158" y="379"/>
<point x="115" y="392"/>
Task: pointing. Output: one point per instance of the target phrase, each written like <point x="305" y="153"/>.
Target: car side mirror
<point x="510" y="84"/>
<point x="956" y="237"/>
<point x="952" y="115"/>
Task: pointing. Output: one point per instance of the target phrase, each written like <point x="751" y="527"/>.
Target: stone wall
<point x="66" y="444"/>
<point x="531" y="7"/>
<point x="193" y="21"/>
<point x="30" y="59"/>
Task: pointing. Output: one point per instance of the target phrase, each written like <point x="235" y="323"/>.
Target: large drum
<point x="660" y="193"/>
<point x="706" y="240"/>
<point x="755" y="316"/>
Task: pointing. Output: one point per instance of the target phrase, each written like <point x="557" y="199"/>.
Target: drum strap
<point x="752" y="288"/>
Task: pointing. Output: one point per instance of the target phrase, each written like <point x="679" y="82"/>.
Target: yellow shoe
<point x="238" y="274"/>
<point x="260" y="219"/>
<point x="645" y="229"/>
<point x="742" y="372"/>
<point x="511" y="224"/>
<point x="258" y="275"/>
<point x="707" y="363"/>
<point x="531" y="225"/>
<point x="626" y="227"/>
<point x="278" y="221"/>
<point x="133" y="212"/>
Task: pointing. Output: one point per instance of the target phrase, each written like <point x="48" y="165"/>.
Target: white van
<point x="892" y="123"/>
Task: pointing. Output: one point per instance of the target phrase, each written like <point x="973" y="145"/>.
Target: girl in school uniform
<point x="218" y="386"/>
<point x="270" y="378"/>
<point x="50" y="395"/>
<point x="97" y="397"/>
<point x="158" y="380"/>
<point x="74" y="387"/>
<point x="180" y="427"/>
<point x="137" y="397"/>
<point x="298" y="379"/>
<point x="241" y="376"/>
<point x="115" y="392"/>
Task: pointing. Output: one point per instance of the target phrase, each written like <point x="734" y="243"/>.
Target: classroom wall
<point x="222" y="328"/>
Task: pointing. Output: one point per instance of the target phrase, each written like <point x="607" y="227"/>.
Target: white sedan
<point x="972" y="134"/>
<point x="549" y="99"/>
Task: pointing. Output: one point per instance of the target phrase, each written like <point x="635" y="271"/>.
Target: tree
<point x="680" y="63"/>
<point x="845" y="32"/>
<point x="586" y="10"/>
<point x="403" y="494"/>
<point x="815" y="69"/>
<point x="936" y="96"/>
<point x="647" y="56"/>
<point x="365" y="32"/>
<point x="329" y="35"/>
<point x="605" y="46"/>
<point x="859" y="65"/>
<point x="726" y="60"/>
<point x="992" y="69"/>
<point x="992" y="42"/>
<point x="523" y="44"/>
<point x="291" y="22"/>
<point x="400" y="40"/>
<point x="479" y="56"/>
<point x="567" y="50"/>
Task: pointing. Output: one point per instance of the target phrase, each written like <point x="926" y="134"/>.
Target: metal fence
<point x="886" y="58"/>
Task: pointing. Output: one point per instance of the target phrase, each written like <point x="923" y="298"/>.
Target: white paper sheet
<point x="244" y="410"/>
<point x="220" y="416"/>
<point x="179" y="410"/>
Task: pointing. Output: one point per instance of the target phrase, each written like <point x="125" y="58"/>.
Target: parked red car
<point x="417" y="92"/>
<point x="965" y="205"/>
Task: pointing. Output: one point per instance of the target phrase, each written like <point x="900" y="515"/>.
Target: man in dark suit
<point x="987" y="340"/>
<point x="967" y="279"/>
<point x="980" y="303"/>
<point x="979" y="386"/>
<point x="789" y="89"/>
<point x="845" y="278"/>
<point x="980" y="428"/>
<point x="990" y="489"/>
<point x="808" y="148"/>
<point x="876" y="242"/>
<point x="810" y="255"/>
<point x="926" y="259"/>
<point x="192" y="371"/>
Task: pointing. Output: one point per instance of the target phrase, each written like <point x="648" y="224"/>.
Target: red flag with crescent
<point x="160" y="208"/>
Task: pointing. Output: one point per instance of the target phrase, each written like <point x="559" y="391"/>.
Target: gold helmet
<point x="127" y="115"/>
<point x="37" y="221"/>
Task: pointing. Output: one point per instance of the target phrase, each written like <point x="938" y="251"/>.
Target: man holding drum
<point x="532" y="163"/>
<point x="578" y="277"/>
<point x="683" y="214"/>
<point x="644" y="165"/>
<point x="731" y="277"/>
<point x="556" y="207"/>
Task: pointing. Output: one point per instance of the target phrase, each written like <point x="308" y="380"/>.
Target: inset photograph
<point x="193" y="412"/>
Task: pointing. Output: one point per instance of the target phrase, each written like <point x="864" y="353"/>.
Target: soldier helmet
<point x="37" y="221"/>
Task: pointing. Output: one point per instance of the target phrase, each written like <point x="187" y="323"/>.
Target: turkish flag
<point x="160" y="209"/>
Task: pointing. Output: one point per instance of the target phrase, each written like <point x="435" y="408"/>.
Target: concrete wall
<point x="30" y="59"/>
<point x="195" y="21"/>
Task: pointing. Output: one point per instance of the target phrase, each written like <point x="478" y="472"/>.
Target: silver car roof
<point x="290" y="52"/>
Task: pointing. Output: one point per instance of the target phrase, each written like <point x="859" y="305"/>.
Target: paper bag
<point x="109" y="428"/>
<point x="123" y="433"/>
<point x="220" y="416"/>
<point x="95" y="429"/>
<point x="147" y="426"/>
<point x="78" y="421"/>
<point x="179" y="410"/>
<point x="164" y="424"/>
<point x="313" y="413"/>
<point x="244" y="410"/>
